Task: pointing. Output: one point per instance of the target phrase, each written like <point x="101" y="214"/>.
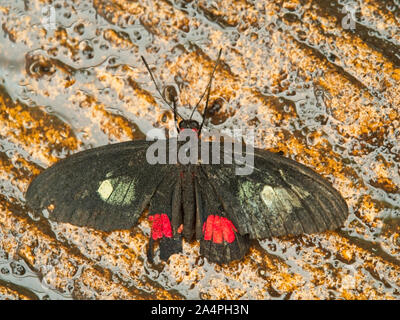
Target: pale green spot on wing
<point x="118" y="191"/>
<point x="130" y="192"/>
<point x="247" y="193"/>
<point x="105" y="189"/>
<point x="279" y="199"/>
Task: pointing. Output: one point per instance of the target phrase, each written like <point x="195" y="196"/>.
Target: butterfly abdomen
<point x="188" y="203"/>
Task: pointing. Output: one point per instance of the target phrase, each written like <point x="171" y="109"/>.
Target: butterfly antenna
<point x="159" y="92"/>
<point x="207" y="90"/>
<point x="175" y="117"/>
<point x="205" y="110"/>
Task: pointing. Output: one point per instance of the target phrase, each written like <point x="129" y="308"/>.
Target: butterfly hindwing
<point x="165" y="215"/>
<point x="220" y="240"/>
<point x="105" y="188"/>
<point x="280" y="197"/>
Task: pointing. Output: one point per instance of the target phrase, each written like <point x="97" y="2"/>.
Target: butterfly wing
<point x="106" y="188"/>
<point x="280" y="197"/>
<point x="220" y="240"/>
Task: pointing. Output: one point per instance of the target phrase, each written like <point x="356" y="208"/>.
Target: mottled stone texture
<point x="315" y="81"/>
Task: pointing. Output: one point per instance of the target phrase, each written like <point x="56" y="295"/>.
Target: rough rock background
<point x="317" y="80"/>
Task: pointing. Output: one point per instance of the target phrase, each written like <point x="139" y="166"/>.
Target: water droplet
<point x="170" y="94"/>
<point x="5" y="270"/>
<point x="80" y="29"/>
<point x="17" y="269"/>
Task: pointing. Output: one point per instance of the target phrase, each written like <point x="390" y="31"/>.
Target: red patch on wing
<point x="218" y="228"/>
<point x="161" y="226"/>
<point x="180" y="229"/>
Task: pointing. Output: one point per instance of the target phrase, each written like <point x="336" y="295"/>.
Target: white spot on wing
<point x="267" y="195"/>
<point x="105" y="189"/>
<point x="279" y="198"/>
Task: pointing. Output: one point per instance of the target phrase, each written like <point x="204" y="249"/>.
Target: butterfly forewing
<point x="106" y="188"/>
<point x="280" y="197"/>
<point x="315" y="192"/>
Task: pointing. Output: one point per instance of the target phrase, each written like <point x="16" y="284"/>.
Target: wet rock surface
<point x="317" y="80"/>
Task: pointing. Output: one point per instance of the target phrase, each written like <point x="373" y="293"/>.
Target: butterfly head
<point x="189" y="124"/>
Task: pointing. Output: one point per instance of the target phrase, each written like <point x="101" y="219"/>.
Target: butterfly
<point x="109" y="187"/>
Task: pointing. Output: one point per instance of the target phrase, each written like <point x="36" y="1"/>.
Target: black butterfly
<point x="109" y="187"/>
